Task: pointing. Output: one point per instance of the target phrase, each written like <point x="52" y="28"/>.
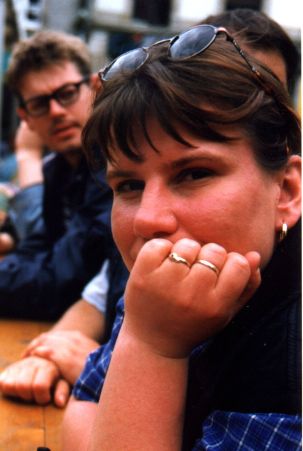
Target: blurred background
<point x="110" y="27"/>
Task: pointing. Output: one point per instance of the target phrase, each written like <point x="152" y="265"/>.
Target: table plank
<point x="24" y="426"/>
<point x="53" y="417"/>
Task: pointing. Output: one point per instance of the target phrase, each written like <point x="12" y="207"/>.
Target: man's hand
<point x="27" y="142"/>
<point x="35" y="379"/>
<point x="68" y="349"/>
<point x="7" y="243"/>
<point x="29" y="152"/>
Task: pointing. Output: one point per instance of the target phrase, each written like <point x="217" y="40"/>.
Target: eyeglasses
<point x="65" y="95"/>
<point x="181" y="47"/>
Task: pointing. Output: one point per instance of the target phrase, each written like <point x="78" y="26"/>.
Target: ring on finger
<point x="209" y="265"/>
<point x="174" y="257"/>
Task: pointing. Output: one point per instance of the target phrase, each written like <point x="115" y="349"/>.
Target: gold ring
<point x="174" y="257"/>
<point x="208" y="265"/>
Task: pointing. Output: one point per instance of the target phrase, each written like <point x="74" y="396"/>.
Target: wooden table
<point x="24" y="427"/>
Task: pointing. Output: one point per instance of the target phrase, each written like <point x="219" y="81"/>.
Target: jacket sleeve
<point x="39" y="280"/>
<point x="25" y="210"/>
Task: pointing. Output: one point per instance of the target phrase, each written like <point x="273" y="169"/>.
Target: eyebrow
<point x="192" y="159"/>
<point x="117" y="173"/>
<point x="43" y="96"/>
<point x="180" y="163"/>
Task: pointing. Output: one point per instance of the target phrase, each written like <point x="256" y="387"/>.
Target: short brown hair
<point x="260" y="32"/>
<point x="43" y="49"/>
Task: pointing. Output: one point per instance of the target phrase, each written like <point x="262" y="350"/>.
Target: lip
<point x="63" y="130"/>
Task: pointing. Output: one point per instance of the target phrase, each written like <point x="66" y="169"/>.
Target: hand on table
<point x="35" y="379"/>
<point x="68" y="349"/>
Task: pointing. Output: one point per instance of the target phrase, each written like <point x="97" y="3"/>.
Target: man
<point x="50" y="73"/>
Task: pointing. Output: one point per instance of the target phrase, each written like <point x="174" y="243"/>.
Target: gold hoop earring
<point x="283" y="231"/>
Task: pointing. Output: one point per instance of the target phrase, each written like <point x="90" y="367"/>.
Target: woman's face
<point x="210" y="193"/>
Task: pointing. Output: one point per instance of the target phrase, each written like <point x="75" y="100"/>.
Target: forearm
<point x="25" y="210"/>
<point x="84" y="318"/>
<point x="142" y="401"/>
<point x="75" y="431"/>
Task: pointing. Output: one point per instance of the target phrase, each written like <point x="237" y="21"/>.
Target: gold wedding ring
<point x="208" y="265"/>
<point x="174" y="257"/>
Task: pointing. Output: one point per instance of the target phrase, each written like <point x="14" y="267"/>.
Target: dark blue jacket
<point x="49" y="269"/>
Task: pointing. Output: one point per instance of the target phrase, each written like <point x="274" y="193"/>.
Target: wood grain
<point x="24" y="426"/>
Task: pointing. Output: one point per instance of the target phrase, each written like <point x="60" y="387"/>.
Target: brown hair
<point x="214" y="88"/>
<point x="43" y="49"/>
<point x="260" y="32"/>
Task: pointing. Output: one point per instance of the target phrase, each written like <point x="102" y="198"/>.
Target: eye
<point x="37" y="104"/>
<point x="128" y="186"/>
<point x="192" y="174"/>
<point x="68" y="93"/>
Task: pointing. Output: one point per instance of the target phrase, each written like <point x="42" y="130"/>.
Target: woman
<point x="201" y="146"/>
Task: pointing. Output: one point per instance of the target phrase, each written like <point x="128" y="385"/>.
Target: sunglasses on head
<point x="181" y="47"/>
<point x="65" y="95"/>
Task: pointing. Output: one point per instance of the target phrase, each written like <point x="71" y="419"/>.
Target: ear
<point x="289" y="202"/>
<point x="95" y="82"/>
<point x="21" y="113"/>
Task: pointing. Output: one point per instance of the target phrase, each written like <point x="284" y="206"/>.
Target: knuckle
<point x="240" y="262"/>
<point x="215" y="248"/>
<point x="187" y="242"/>
<point x="156" y="243"/>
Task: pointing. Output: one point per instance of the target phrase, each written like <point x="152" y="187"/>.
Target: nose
<point x="155" y="217"/>
<point x="55" y="108"/>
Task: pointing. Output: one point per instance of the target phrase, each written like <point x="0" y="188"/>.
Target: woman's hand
<point x="172" y="307"/>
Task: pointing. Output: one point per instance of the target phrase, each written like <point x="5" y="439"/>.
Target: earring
<point x="283" y="231"/>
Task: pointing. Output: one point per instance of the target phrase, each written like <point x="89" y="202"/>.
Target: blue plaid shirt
<point x="228" y="431"/>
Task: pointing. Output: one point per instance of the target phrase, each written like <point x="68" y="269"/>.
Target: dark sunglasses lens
<point x="128" y="61"/>
<point x="193" y="41"/>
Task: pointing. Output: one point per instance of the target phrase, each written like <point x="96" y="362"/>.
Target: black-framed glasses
<point x="181" y="47"/>
<point x="65" y="95"/>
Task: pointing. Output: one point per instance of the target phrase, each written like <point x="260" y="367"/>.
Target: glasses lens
<point x="68" y="94"/>
<point x="37" y="106"/>
<point x="128" y="61"/>
<point x="193" y="41"/>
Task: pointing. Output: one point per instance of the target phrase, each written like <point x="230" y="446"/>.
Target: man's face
<point x="61" y="126"/>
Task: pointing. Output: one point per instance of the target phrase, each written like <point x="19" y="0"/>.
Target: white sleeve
<point x="95" y="292"/>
